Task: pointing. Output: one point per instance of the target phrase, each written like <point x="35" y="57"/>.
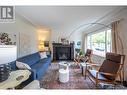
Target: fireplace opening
<point x="63" y="56"/>
<point x="63" y="52"/>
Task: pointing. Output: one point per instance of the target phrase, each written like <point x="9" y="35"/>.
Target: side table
<point x="85" y="66"/>
<point x="63" y="75"/>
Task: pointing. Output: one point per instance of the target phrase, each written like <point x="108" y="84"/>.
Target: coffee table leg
<point x="82" y="70"/>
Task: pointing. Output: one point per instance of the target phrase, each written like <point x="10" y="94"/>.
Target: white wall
<point x="18" y="27"/>
<point x="76" y="37"/>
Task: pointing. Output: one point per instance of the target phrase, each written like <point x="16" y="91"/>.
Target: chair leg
<point x="123" y="74"/>
<point x="120" y="78"/>
<point x="114" y="86"/>
<point x="82" y="70"/>
<point x="96" y="84"/>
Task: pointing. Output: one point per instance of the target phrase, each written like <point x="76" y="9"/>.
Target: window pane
<point x="109" y="40"/>
<point x="98" y="43"/>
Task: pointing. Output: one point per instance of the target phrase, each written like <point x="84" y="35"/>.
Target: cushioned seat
<point x="38" y="66"/>
<point x="93" y="74"/>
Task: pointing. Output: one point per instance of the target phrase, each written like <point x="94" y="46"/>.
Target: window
<point x="99" y="42"/>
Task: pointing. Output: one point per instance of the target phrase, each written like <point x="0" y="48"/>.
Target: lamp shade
<point x="8" y="53"/>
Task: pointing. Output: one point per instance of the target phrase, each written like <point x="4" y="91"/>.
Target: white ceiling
<point x="64" y="19"/>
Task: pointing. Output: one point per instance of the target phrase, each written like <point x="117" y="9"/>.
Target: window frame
<point x="106" y="41"/>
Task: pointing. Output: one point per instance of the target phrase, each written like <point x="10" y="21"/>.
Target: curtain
<point x="117" y="43"/>
<point x="117" y="46"/>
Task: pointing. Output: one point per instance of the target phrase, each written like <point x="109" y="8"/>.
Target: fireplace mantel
<point x="63" y="51"/>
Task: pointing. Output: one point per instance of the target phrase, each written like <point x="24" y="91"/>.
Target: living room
<point x="46" y="46"/>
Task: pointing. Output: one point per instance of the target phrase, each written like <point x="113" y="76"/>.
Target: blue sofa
<point x="38" y="66"/>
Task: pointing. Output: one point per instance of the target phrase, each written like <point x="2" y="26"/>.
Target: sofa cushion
<point x="43" y="55"/>
<point x="22" y="65"/>
<point x="41" y="71"/>
<point x="41" y="66"/>
<point x="36" y="66"/>
<point x="30" y="59"/>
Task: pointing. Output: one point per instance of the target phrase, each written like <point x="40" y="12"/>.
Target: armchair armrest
<point x="109" y="74"/>
<point x="93" y="65"/>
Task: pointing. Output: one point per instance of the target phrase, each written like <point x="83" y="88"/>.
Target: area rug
<point x="76" y="79"/>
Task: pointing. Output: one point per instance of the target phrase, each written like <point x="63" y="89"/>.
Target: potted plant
<point x="81" y="53"/>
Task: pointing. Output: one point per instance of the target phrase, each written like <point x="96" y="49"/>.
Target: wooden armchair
<point x="86" y="58"/>
<point x="108" y="72"/>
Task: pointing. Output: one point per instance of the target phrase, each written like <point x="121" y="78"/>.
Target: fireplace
<point x="63" y="52"/>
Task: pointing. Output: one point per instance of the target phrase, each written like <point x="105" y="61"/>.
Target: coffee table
<point x="64" y="65"/>
<point x="14" y="79"/>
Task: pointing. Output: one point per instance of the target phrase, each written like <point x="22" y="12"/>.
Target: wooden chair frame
<point x="120" y="73"/>
<point x="79" y="58"/>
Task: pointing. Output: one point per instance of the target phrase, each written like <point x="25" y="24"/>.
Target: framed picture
<point x="46" y="43"/>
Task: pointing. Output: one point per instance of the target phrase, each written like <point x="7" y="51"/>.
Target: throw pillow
<point x="43" y="55"/>
<point x="22" y="65"/>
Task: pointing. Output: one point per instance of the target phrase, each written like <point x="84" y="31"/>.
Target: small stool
<point x="63" y="75"/>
